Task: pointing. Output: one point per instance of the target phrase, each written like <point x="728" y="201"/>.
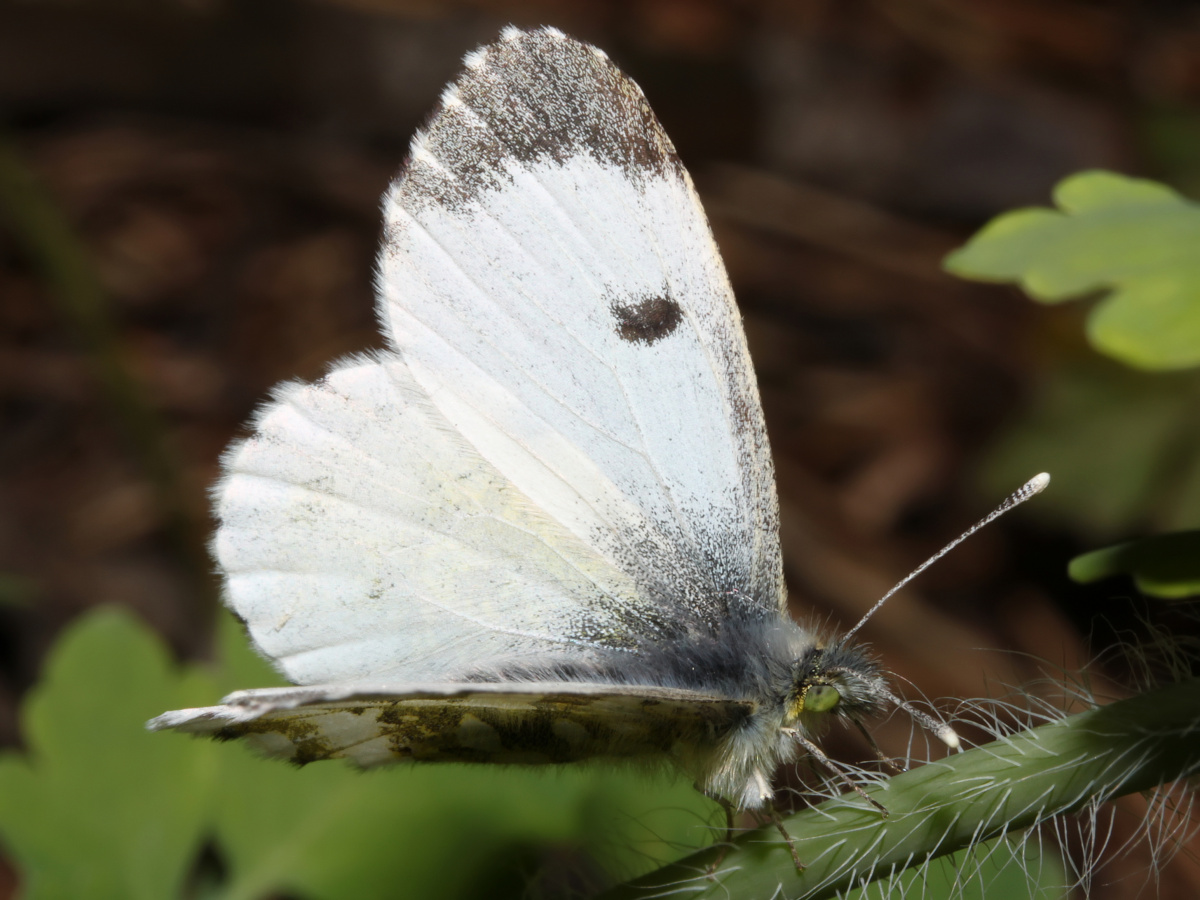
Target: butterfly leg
<point x="891" y="766"/>
<point x="819" y="755"/>
<point x="777" y="820"/>
<point x="728" y="841"/>
<point x="728" y="807"/>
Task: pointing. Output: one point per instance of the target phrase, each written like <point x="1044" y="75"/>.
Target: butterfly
<point x="542" y="526"/>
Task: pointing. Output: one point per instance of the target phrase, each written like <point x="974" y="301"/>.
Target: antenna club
<point x="1038" y="482"/>
<point x="949" y="737"/>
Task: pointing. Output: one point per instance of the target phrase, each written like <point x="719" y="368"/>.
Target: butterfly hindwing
<point x="518" y="724"/>
<point x="362" y="537"/>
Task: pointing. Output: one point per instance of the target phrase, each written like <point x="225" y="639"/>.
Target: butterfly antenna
<point x="940" y="730"/>
<point x="1034" y="485"/>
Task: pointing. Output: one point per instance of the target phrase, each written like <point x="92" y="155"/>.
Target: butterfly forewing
<point x="550" y="278"/>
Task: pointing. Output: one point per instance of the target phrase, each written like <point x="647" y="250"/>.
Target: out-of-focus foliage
<point x="1123" y="447"/>
<point x="1133" y="239"/>
<point x="1167" y="566"/>
<point x="88" y="811"/>
<point x="97" y="807"/>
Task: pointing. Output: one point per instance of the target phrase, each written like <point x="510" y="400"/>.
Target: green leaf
<point x="327" y="831"/>
<point x="1166" y="566"/>
<point x="1134" y="240"/>
<point x="98" y="807"/>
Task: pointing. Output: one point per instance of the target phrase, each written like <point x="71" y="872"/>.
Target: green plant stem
<point x="39" y="227"/>
<point x="939" y="808"/>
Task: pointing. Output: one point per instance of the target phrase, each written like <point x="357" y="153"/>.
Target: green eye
<point x="821" y="698"/>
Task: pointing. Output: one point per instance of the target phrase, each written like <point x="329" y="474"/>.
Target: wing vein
<point x="550" y="233"/>
<point x="389" y="486"/>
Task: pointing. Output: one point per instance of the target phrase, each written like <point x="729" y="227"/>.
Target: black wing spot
<point x="648" y="321"/>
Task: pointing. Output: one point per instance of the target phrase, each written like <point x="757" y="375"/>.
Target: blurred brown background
<point x="221" y="163"/>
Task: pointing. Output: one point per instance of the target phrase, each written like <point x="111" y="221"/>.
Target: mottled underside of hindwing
<point x="553" y="728"/>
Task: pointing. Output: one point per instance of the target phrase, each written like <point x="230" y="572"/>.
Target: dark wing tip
<point x="529" y="97"/>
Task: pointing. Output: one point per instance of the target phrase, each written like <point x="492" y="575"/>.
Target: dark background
<point x="221" y="163"/>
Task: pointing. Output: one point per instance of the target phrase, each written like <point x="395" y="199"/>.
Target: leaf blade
<point x="1131" y="239"/>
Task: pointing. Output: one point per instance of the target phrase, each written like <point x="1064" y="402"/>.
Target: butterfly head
<point x="836" y="680"/>
<point x="846" y="682"/>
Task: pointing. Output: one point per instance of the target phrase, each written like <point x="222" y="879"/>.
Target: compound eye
<point x="821" y="698"/>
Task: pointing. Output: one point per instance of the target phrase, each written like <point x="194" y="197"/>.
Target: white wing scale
<point x="568" y="453"/>
<point x="344" y="569"/>
<point x="566" y="309"/>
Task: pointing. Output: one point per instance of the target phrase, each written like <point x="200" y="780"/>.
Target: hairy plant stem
<point x="942" y="807"/>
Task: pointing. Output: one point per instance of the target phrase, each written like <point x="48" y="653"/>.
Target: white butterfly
<point x="543" y="526"/>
